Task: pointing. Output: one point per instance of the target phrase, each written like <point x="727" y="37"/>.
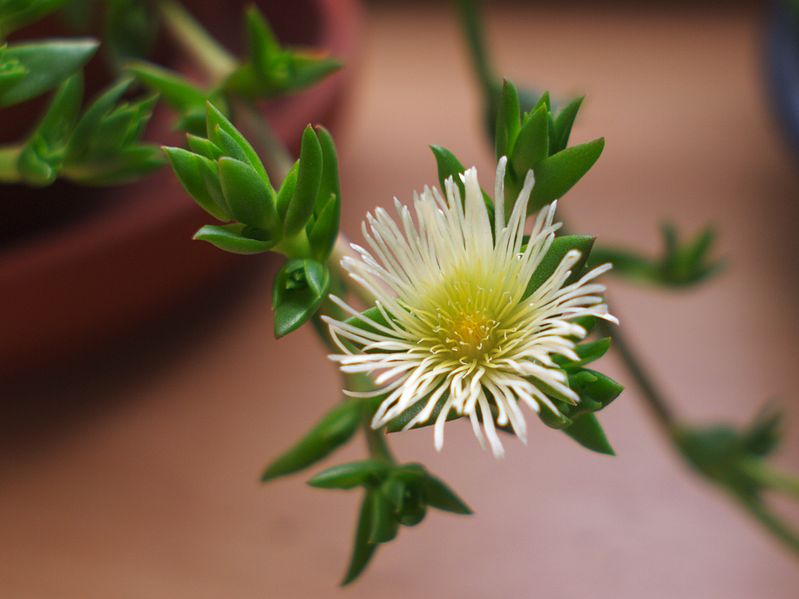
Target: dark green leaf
<point x="234" y="238"/>
<point x="287" y="189"/>
<point x="508" y="120"/>
<point x="588" y="352"/>
<point x="263" y="45"/>
<point x="218" y="122"/>
<point x="175" y="90"/>
<point x="335" y="429"/>
<point x="190" y="172"/>
<point x="251" y="199"/>
<point x="309" y="179"/>
<point x="351" y="475"/>
<point x="46" y="65"/>
<point x="532" y="145"/>
<point x="384" y="524"/>
<point x="362" y="549"/>
<point x="298" y="291"/>
<point x="556" y="175"/>
<point x="324" y="231"/>
<point x="595" y="386"/>
<point x="329" y="182"/>
<point x="563" y="124"/>
<point x="587" y="431"/>
<point x="557" y="252"/>
<point x="440" y="496"/>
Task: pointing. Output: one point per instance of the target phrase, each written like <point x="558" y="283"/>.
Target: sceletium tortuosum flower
<point x="457" y="321"/>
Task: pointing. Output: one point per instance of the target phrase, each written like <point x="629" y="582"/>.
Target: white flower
<point x="459" y="325"/>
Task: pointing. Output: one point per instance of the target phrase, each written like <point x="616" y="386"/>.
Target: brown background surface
<point x="134" y="474"/>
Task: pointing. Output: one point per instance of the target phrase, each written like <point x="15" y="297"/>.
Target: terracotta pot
<point x="111" y="259"/>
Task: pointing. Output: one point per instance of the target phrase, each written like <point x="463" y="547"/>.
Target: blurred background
<point x="132" y="470"/>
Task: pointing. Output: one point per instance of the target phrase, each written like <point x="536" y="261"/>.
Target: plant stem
<point x="474" y="34"/>
<point x="654" y="399"/>
<point x="9" y="155"/>
<point x="771" y="523"/>
<point x="217" y="62"/>
<point x="271" y="147"/>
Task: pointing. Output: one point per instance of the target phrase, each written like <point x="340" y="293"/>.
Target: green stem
<point x="279" y="160"/>
<point x="9" y="155"/>
<point x="655" y="400"/>
<point x="772" y="523"/>
<point x="217" y="62"/>
<point x="475" y="36"/>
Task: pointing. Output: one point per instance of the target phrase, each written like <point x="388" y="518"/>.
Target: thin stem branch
<point x="214" y="59"/>
<point x="772" y="478"/>
<point x="654" y="399"/>
<point x="475" y="36"/>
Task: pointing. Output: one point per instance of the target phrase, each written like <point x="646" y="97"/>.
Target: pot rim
<point x="340" y="22"/>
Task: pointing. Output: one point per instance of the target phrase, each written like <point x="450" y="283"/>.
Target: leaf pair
<point x="395" y="495"/>
<point x="271" y="69"/>
<point x="99" y="147"/>
<point x="537" y="140"/>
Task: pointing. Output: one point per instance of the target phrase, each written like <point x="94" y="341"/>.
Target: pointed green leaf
<point x="588" y="352"/>
<point x="335" y="429"/>
<point x="175" y="90"/>
<point x="46" y="65"/>
<point x="190" y="171"/>
<point x="557" y="252"/>
<point x="204" y="147"/>
<point x="218" y="122"/>
<point x="250" y="198"/>
<point x="508" y="120"/>
<point x="263" y="45"/>
<point x="298" y="291"/>
<point x="440" y="496"/>
<point x="587" y="431"/>
<point x="235" y="238"/>
<point x="556" y="175"/>
<point x="563" y="124"/>
<point x="362" y="550"/>
<point x="287" y="189"/>
<point x="594" y="386"/>
<point x="309" y="179"/>
<point x="351" y="475"/>
<point x="324" y="231"/>
<point x="384" y="525"/>
<point x="532" y="145"/>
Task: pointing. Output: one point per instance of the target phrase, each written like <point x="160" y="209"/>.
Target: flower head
<point x="459" y="328"/>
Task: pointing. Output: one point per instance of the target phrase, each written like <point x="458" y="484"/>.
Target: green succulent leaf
<point x="309" y="178"/>
<point x="557" y="252"/>
<point x="37" y="67"/>
<point x="563" y="125"/>
<point x="222" y="133"/>
<point x="235" y="238"/>
<point x="587" y="352"/>
<point x="587" y="431"/>
<point x="558" y="173"/>
<point x="362" y="550"/>
<point x="449" y="166"/>
<point x="172" y="87"/>
<point x="335" y="429"/>
<point x="41" y="156"/>
<point x="532" y="143"/>
<point x="193" y="172"/>
<point x="250" y="198"/>
<point x="384" y="525"/>
<point x="440" y="496"/>
<point x="508" y="120"/>
<point x="353" y="474"/>
<point x="298" y="291"/>
<point x="324" y="231"/>
<point x="287" y="189"/>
